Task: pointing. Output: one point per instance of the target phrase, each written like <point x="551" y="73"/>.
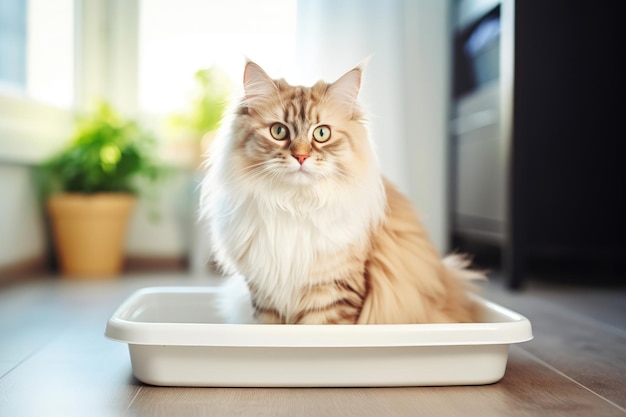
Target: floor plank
<point x="528" y="389"/>
<point x="28" y="320"/>
<point x="54" y="360"/>
<point x="606" y="306"/>
<point x="573" y="343"/>
<point x="75" y="373"/>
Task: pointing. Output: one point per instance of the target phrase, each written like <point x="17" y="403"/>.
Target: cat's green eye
<point x="321" y="134"/>
<point x="279" y="131"/>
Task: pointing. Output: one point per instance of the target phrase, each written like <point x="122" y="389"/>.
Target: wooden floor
<point x="55" y="361"/>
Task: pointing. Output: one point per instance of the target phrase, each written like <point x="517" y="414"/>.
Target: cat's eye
<point x="321" y="134"/>
<point x="279" y="131"/>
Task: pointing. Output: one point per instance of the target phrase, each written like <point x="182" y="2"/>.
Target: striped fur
<point x="322" y="239"/>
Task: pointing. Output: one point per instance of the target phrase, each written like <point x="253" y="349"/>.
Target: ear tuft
<point x="257" y="84"/>
<point x="345" y="90"/>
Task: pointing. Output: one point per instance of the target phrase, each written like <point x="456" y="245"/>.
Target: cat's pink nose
<point x="301" y="158"/>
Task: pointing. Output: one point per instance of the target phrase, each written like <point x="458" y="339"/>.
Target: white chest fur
<point x="275" y="237"/>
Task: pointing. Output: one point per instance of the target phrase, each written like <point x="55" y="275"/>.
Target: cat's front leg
<point x="336" y="302"/>
<point x="265" y="315"/>
<point x="335" y="317"/>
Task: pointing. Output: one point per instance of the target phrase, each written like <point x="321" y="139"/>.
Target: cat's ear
<point x="256" y="84"/>
<point x="345" y="90"/>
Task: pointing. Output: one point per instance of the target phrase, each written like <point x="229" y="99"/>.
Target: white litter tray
<point x="177" y="337"/>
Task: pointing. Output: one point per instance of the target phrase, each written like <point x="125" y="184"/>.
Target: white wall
<point x="335" y="36"/>
<point x="162" y="223"/>
<point x="29" y="131"/>
<point x="22" y="234"/>
<point x="427" y="78"/>
<point x="405" y="86"/>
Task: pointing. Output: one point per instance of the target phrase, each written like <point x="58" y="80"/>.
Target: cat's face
<point x="298" y="136"/>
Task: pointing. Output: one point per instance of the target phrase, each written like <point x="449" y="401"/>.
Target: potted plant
<point x="90" y="188"/>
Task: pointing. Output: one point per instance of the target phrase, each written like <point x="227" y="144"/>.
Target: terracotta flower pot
<point x="89" y="232"/>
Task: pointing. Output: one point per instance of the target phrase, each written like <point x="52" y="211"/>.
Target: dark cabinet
<point x="564" y="162"/>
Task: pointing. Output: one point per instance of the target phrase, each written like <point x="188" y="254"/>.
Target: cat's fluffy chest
<point x="278" y="238"/>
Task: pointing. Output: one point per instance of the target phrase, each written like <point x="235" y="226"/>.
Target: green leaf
<point x="106" y="153"/>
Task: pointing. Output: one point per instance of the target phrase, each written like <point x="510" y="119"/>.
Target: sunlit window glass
<point x="13" y="43"/>
<point x="179" y="37"/>
<point x="37" y="50"/>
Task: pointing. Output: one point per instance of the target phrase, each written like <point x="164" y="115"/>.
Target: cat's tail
<point x="460" y="264"/>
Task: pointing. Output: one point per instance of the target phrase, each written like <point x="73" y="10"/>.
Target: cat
<point x="295" y="202"/>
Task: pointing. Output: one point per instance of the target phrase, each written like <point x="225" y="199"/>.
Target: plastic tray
<point x="178" y="337"/>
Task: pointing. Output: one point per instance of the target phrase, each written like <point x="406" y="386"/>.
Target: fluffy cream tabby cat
<point x="296" y="203"/>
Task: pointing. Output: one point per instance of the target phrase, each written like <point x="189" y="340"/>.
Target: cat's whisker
<point x="344" y="175"/>
<point x="250" y="169"/>
<point x="275" y="176"/>
<point x="252" y="172"/>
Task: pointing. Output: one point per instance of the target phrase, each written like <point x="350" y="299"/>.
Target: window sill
<point x="29" y="130"/>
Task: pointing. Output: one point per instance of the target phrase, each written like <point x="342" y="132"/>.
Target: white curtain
<point x="405" y="86"/>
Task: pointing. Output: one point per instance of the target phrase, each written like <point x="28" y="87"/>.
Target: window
<point x="36" y="77"/>
<point x="140" y="55"/>
<point x="179" y="37"/>
<point x="13" y="43"/>
<point x="37" y="50"/>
